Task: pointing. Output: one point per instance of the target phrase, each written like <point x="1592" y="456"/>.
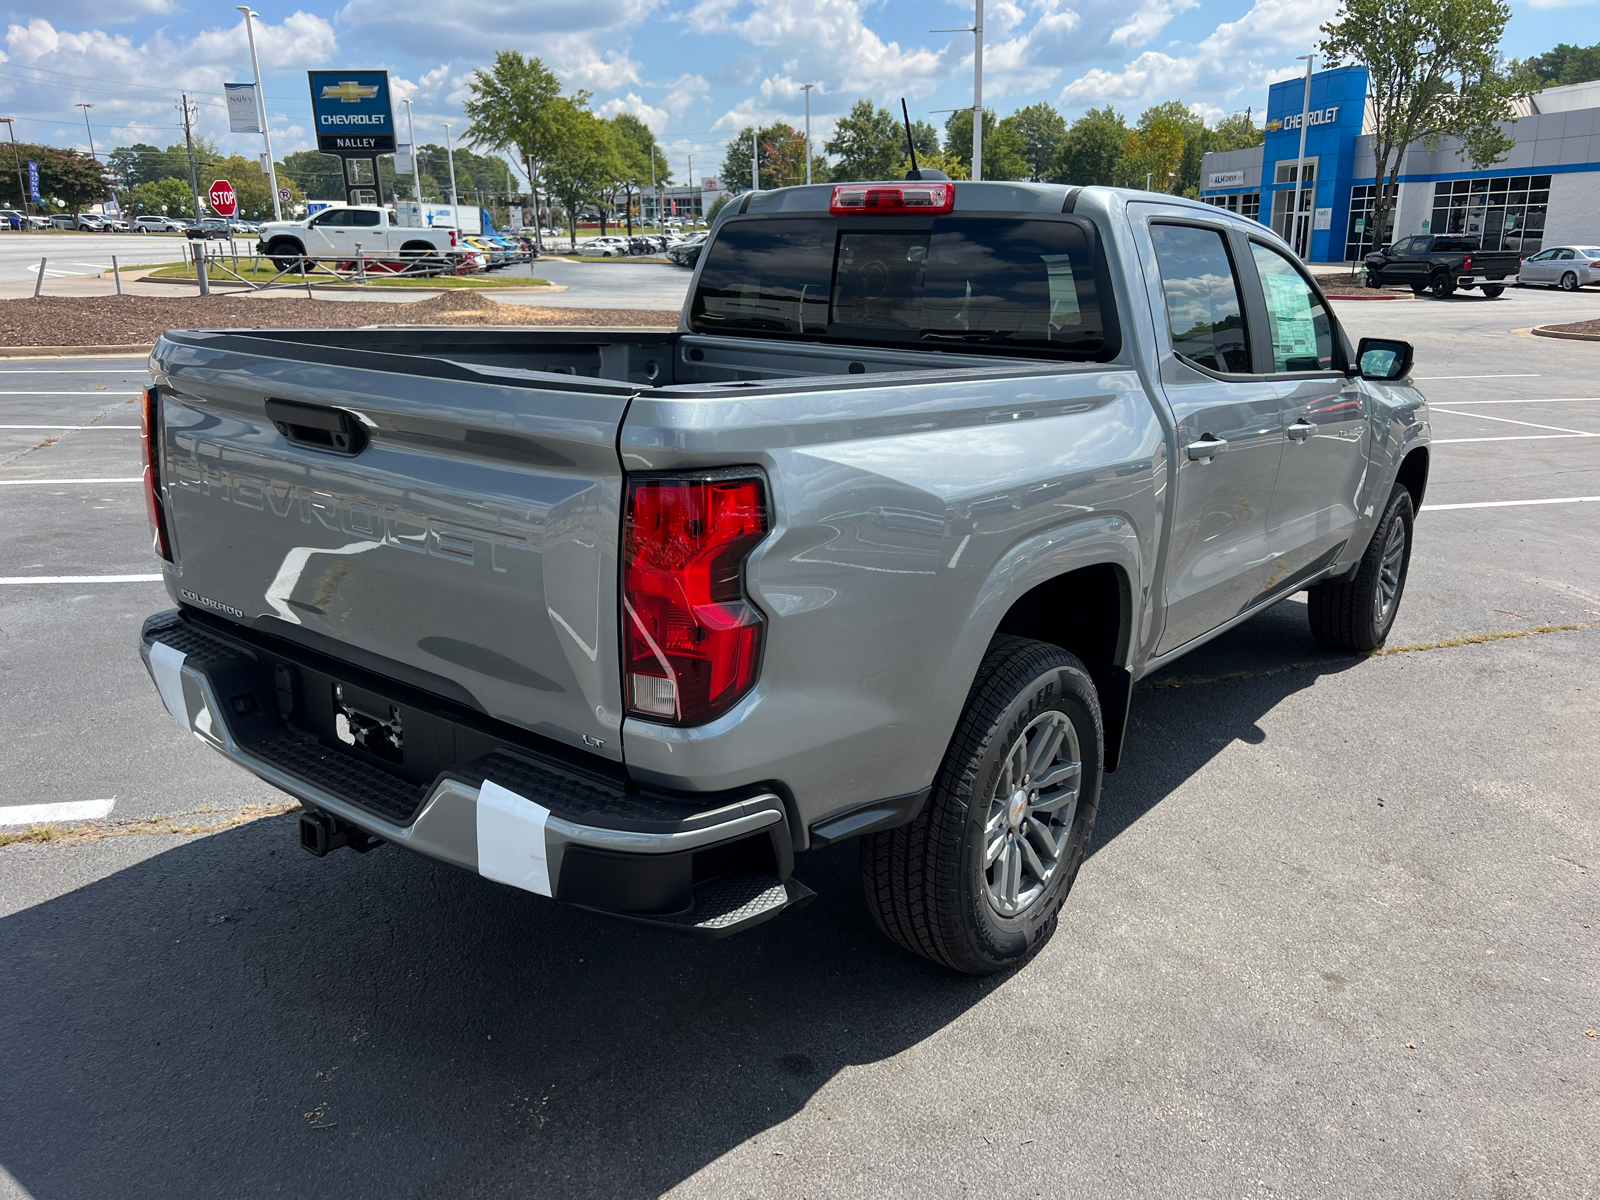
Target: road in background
<point x="77" y="254"/>
<point x="1338" y="934"/>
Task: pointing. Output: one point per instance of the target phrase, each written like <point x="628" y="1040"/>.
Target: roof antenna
<point x="920" y="173"/>
<point x="911" y="142"/>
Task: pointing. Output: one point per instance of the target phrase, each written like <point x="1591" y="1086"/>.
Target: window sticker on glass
<point x="1302" y="335"/>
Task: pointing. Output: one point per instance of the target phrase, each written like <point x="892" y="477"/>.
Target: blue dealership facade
<point x="1547" y="190"/>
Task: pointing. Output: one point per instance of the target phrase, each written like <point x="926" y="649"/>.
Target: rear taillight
<point x="691" y="638"/>
<point x="1467" y="265"/>
<point x="857" y="198"/>
<point x="150" y="453"/>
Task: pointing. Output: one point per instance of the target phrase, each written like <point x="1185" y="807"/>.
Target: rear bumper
<point x="511" y="814"/>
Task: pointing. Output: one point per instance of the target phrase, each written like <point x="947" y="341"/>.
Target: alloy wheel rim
<point x="1031" y="813"/>
<point x="1390" y="569"/>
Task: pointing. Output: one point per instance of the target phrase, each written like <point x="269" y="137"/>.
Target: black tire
<point x="1492" y="290"/>
<point x="1374" y="278"/>
<point x="1569" y="282"/>
<point x="1354" y="615"/>
<point x="1419" y="289"/>
<point x="1442" y="286"/>
<point x="928" y="884"/>
<point x="284" y="253"/>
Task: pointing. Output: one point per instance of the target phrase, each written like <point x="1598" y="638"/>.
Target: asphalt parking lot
<point x="1339" y="934"/>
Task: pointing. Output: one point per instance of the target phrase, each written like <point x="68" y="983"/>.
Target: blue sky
<point x="695" y="70"/>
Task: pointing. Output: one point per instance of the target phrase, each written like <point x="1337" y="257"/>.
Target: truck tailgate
<point x="464" y="540"/>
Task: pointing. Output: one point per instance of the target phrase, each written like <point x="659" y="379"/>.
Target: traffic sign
<point x="223" y="198"/>
<point x="285" y="194"/>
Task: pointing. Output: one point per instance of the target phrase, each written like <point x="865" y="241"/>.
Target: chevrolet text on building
<point x="1546" y="191"/>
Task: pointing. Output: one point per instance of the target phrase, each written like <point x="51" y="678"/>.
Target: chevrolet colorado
<point x="874" y="545"/>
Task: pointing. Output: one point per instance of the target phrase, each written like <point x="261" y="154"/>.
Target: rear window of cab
<point x="972" y="283"/>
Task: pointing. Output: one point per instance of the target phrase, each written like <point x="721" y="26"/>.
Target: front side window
<point x="1302" y="333"/>
<point x="1205" y="316"/>
<point x="334" y="216"/>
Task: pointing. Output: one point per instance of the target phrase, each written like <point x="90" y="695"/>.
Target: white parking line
<point x="1510" y="503"/>
<point x="19" y="580"/>
<point x="1431" y="378"/>
<point x="66" y="370"/>
<point x="55" y="482"/>
<point x="1511" y="421"/>
<point x="43" y="814"/>
<point x="135" y="428"/>
<point x="1543" y="400"/>
<point x="109" y="395"/>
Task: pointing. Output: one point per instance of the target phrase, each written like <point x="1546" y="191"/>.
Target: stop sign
<point x="224" y="199"/>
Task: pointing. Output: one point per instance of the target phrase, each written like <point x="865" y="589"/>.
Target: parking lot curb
<point x="74" y="351"/>
<point x="235" y="287"/>
<point x="1550" y="331"/>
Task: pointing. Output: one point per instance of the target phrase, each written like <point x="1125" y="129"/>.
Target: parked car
<point x="1440" y="264"/>
<point x="566" y="609"/>
<point x="1566" y="267"/>
<point x="605" y="247"/>
<point x="12" y="219"/>
<point x="116" y="225"/>
<point x="90" y="223"/>
<point x="210" y="229"/>
<point x="162" y="224"/>
<point x="63" y="221"/>
<point x="687" y="252"/>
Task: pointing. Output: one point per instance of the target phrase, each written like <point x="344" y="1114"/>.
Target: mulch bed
<point x="140" y="320"/>
<point x="1349" y="283"/>
<point x="1588" y="328"/>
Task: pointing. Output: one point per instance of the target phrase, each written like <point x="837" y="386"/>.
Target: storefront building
<point x="1546" y="191"/>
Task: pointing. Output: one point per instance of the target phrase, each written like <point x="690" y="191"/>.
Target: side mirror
<point x="1383" y="359"/>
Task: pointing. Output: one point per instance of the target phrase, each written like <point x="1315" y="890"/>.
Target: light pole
<point x="22" y="188"/>
<point x="450" y="157"/>
<point x="1300" y="164"/>
<point x="261" y="109"/>
<point x="755" y="164"/>
<point x="416" y="170"/>
<point x="976" y="30"/>
<point x="806" y="88"/>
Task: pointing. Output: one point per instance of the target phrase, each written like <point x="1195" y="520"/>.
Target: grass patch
<point x="259" y="270"/>
<point x="177" y="824"/>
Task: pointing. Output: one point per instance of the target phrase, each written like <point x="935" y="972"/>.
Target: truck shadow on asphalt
<point x="229" y="1016"/>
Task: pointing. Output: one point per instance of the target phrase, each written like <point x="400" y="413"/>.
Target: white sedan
<point x="1566" y="267"/>
<point x="605" y="247"/>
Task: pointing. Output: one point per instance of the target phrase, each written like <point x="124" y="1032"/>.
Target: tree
<point x="1043" y="129"/>
<point x="1562" y="65"/>
<point x="780" y="150"/>
<point x="1152" y="157"/>
<point x="635" y="147"/>
<point x="717" y="205"/>
<point x="517" y="104"/>
<point x="1236" y="132"/>
<point x="938" y="160"/>
<point x="1091" y="149"/>
<point x="250" y="183"/>
<point x="160" y="197"/>
<point x="581" y="162"/>
<point x="319" y="176"/>
<point x="1434" y="71"/>
<point x="1004" y="151"/>
<point x="925" y="138"/>
<point x="868" y="142"/>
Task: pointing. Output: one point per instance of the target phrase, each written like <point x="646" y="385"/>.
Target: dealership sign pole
<point x="261" y="109"/>
<point x="355" y="123"/>
<point x="1300" y="167"/>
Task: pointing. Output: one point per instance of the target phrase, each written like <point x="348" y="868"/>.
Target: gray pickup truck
<point x="874" y="546"/>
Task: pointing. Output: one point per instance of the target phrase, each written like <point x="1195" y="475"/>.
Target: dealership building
<point x="1545" y="192"/>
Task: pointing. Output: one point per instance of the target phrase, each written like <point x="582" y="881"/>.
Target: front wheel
<point x="976" y="881"/>
<point x="1569" y="282"/>
<point x="1374" y="278"/>
<point x="1354" y="615"/>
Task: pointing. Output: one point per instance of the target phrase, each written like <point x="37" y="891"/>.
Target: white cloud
<point x="1149" y="19"/>
<point x="684" y="91"/>
<point x="828" y="41"/>
<point x="654" y="118"/>
<point x="1239" y="56"/>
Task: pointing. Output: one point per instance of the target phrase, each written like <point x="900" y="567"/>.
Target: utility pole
<point x="190" y="112"/>
<point x="450" y="155"/>
<point x="1300" y="166"/>
<point x="87" y="128"/>
<point x="755" y="164"/>
<point x="538" y="217"/>
<point x="806" y="88"/>
<point x="977" y="93"/>
<point x="654" y="186"/>
<point x="416" y="169"/>
<point x="261" y="109"/>
<point x="16" y="157"/>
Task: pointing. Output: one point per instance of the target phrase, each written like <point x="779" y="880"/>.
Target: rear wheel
<point x="1491" y="290"/>
<point x="976" y="881"/>
<point x="1354" y="615"/>
<point x="1569" y="282"/>
<point x="1419" y="289"/>
<point x="1442" y="286"/>
<point x="420" y="259"/>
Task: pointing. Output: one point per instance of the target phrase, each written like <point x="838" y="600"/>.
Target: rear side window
<point x="1302" y="335"/>
<point x="965" y="281"/>
<point x="1205" y="315"/>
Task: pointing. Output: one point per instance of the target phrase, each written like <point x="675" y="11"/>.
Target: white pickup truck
<point x="356" y="229"/>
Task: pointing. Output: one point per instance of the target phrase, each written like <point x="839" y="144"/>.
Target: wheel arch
<point x="1413" y="475"/>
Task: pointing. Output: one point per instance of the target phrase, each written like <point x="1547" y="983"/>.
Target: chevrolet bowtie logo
<point x="349" y="91"/>
<point x="1272" y="126"/>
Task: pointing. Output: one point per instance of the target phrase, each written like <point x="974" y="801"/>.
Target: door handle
<point x="1207" y="448"/>
<point x="1301" y="430"/>
<point x="320" y="428"/>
